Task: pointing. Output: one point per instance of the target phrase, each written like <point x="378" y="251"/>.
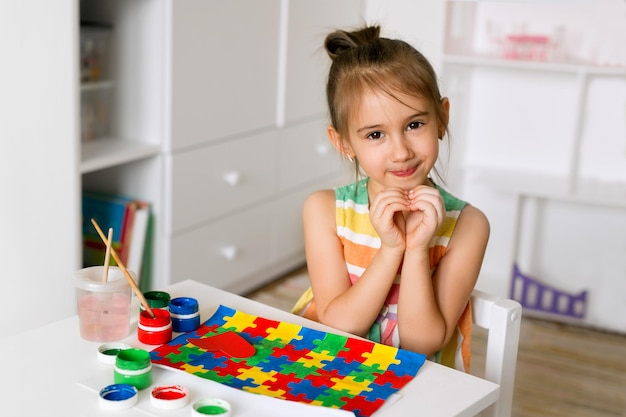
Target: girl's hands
<point x="426" y="214"/>
<point x="386" y="215"/>
<point x="407" y="220"/>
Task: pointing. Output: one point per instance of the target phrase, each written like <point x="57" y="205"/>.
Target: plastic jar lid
<point x="157" y="299"/>
<point x="183" y="305"/>
<point x="210" y="407"/>
<point x="107" y="353"/>
<point x="118" y="397"/>
<point x="169" y="397"/>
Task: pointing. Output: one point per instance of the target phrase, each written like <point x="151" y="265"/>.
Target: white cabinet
<point x="539" y="111"/>
<point x="247" y="140"/>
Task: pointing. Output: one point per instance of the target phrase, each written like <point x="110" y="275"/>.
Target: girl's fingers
<point x="427" y="199"/>
<point x="390" y="199"/>
<point x="386" y="216"/>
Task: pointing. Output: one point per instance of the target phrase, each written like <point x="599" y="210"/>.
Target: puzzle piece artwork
<point x="295" y="363"/>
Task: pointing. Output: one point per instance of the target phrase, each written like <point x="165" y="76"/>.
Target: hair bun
<point x="340" y="41"/>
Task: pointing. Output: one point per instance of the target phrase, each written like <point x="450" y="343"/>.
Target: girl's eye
<point x="414" y="125"/>
<point x="375" y="135"/>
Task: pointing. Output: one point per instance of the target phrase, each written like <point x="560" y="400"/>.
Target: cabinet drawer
<point x="224" y="252"/>
<point x="307" y="63"/>
<point x="218" y="179"/>
<point x="287" y="230"/>
<point x="224" y="68"/>
<point x="306" y="155"/>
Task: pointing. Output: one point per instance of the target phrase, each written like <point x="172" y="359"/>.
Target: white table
<point x="53" y="371"/>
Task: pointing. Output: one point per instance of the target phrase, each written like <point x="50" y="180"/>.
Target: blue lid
<point x="183" y="305"/>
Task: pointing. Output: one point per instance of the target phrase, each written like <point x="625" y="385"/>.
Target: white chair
<point x="501" y="318"/>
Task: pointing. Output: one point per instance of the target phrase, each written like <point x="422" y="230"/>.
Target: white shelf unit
<point x="128" y="159"/>
<point x="542" y="146"/>
<point x="204" y="127"/>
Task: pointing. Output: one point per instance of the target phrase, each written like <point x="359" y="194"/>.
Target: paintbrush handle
<point x="129" y="278"/>
<point x="107" y="256"/>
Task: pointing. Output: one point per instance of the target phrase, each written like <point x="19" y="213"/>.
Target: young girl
<point x="392" y="257"/>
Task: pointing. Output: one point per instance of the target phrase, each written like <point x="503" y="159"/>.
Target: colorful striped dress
<point x="361" y="242"/>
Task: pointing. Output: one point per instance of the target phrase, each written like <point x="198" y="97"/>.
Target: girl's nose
<point x="400" y="150"/>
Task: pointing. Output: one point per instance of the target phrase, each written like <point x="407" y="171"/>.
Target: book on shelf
<point x="128" y="217"/>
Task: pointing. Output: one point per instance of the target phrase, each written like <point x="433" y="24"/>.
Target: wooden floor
<point x="562" y="370"/>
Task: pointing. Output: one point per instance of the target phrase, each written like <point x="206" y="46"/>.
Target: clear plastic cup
<point x="103" y="306"/>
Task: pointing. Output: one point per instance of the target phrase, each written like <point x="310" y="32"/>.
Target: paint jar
<point x="103" y="306"/>
<point x="210" y="406"/>
<point x="156" y="299"/>
<point x="155" y="330"/>
<point x="133" y="366"/>
<point x="184" y="313"/>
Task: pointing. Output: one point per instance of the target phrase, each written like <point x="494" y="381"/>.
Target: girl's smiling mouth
<point x="405" y="172"/>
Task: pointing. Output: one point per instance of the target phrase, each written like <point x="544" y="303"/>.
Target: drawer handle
<point x="322" y="149"/>
<point x="229" y="252"/>
<point x="232" y="178"/>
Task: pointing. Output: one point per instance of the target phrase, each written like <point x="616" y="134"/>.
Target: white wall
<point x="38" y="108"/>
<point x="418" y="22"/>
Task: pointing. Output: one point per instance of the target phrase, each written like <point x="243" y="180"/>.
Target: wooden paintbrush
<point x="129" y="278"/>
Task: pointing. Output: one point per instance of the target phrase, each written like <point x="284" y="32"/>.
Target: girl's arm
<point x="351" y="308"/>
<point x="429" y="308"/>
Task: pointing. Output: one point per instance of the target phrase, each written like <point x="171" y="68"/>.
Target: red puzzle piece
<point x="228" y="342"/>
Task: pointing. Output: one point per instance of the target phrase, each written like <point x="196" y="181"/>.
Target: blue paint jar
<point x="184" y="313"/>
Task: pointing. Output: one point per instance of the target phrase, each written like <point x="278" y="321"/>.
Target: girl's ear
<point x="342" y="146"/>
<point x="443" y="124"/>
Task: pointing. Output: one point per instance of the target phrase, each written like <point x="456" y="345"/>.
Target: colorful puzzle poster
<point x="294" y="363"/>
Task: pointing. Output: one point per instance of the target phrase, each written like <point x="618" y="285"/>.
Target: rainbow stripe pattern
<point x="295" y="363"/>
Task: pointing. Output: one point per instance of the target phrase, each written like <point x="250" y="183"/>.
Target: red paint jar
<point x="155" y="330"/>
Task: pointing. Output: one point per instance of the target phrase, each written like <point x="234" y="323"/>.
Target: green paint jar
<point x="133" y="366"/>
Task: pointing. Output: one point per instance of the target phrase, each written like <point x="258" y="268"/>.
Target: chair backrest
<point x="501" y="317"/>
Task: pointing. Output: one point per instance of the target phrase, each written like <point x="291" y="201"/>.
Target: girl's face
<point x="396" y="141"/>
